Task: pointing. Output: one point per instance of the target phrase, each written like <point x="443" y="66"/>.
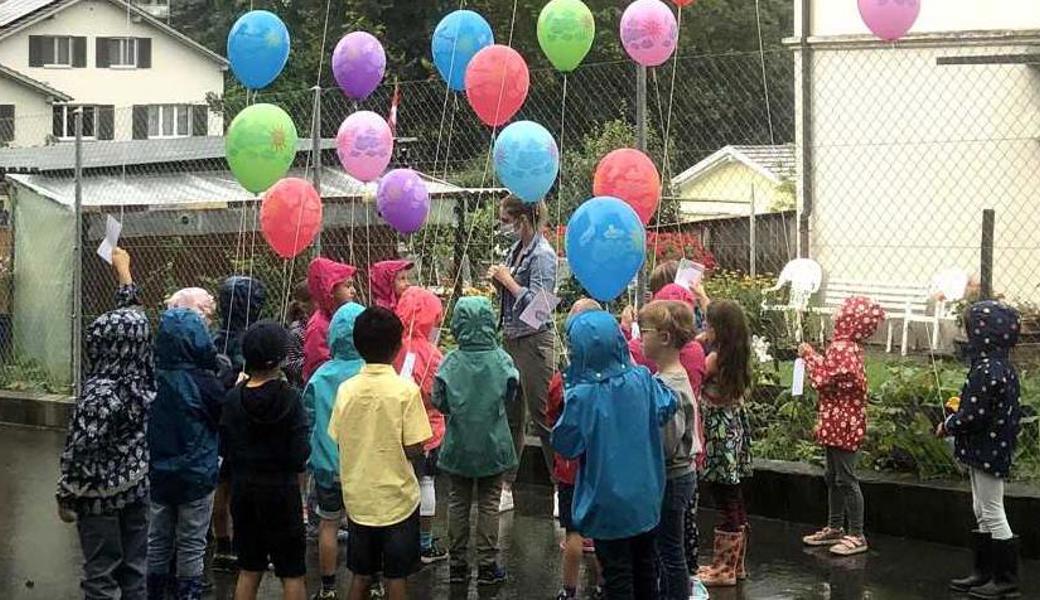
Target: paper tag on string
<point x="689" y="274"/>
<point x="408" y="365"/>
<point x="635" y="330"/>
<point x="113" y="228"/>
<point x="798" y="378"/>
<point x="435" y="336"/>
<point x="540" y="310"/>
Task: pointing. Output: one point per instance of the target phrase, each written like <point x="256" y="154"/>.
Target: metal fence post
<point x="77" y="263"/>
<point x="989" y="218"/>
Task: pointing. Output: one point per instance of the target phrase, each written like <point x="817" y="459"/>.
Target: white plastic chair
<point x="804" y="276"/>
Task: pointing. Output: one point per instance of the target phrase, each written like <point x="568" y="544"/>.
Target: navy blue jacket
<point x="184" y="418"/>
<point x="240" y="301"/>
<point x="985" y="427"/>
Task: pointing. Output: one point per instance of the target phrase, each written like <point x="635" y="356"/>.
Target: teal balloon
<point x="258" y="48"/>
<point x="456" y="40"/>
<point x="527" y="160"/>
<point x="606" y="246"/>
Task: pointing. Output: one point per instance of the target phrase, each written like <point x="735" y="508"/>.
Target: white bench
<point x="906" y="303"/>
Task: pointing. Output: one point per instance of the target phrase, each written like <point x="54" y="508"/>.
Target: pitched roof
<point x="39" y="86"/>
<point x="776" y="163"/>
<point x="16" y="14"/>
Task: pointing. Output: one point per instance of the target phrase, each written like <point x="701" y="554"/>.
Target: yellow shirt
<point x="377" y="414"/>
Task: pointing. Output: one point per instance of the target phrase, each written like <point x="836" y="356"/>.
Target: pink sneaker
<point x="588" y="546"/>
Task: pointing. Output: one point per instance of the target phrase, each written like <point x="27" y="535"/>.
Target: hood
<point x="322" y="276"/>
<point x="183" y="342"/>
<point x="420" y="311"/>
<point x="674" y="291"/>
<point x="270" y="403"/>
<point x="341" y="332"/>
<point x="857" y="319"/>
<point x="381" y="281"/>
<point x="992" y="328"/>
<point x="241" y="300"/>
<point x="473" y="324"/>
<point x="119" y="344"/>
<point x="597" y="348"/>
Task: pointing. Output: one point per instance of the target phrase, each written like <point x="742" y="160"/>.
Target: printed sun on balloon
<point x="278" y="139"/>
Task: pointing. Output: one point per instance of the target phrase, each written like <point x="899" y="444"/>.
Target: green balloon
<point x="260" y="146"/>
<point x="566" y="29"/>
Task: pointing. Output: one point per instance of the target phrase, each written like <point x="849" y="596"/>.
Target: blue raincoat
<point x="612" y="421"/>
<point x="320" y="395"/>
<point x="183" y="420"/>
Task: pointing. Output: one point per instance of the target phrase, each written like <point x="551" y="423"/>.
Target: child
<point x="985" y="428"/>
<point x="840" y="380"/>
<point x="727" y="437"/>
<point x="667" y="327"/>
<point x="196" y="299"/>
<point x="420" y="312"/>
<point x="331" y="285"/>
<point x="103" y="484"/>
<point x="318" y="399"/>
<point x="472" y="388"/>
<point x="379" y="423"/>
<point x="182" y="439"/>
<point x="264" y="433"/>
<point x="388" y="280"/>
<point x="612" y="420"/>
<point x="300" y="311"/>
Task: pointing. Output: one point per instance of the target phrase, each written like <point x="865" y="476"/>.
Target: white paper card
<point x="798" y="378"/>
<point x="689" y="274"/>
<point x="112" y="230"/>
<point x="540" y="310"/>
<point x="435" y="336"/>
<point x="408" y="366"/>
<point x="635" y="330"/>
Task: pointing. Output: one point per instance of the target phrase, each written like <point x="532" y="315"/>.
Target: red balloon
<point x="290" y="216"/>
<point x="682" y="3"/>
<point x="497" y="82"/>
<point x="631" y="176"/>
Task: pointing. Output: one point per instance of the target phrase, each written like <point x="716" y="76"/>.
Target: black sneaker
<point x="597" y="594"/>
<point x="325" y="595"/>
<point x="491" y="575"/>
<point x="225" y="562"/>
<point x="376" y="592"/>
<point x="433" y="554"/>
<point x="458" y="574"/>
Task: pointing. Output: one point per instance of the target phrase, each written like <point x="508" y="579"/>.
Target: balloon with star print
<point x="258" y="48"/>
<point x="260" y="145"/>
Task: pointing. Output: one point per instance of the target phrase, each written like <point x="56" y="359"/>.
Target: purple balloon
<point x="359" y="63"/>
<point x="403" y="200"/>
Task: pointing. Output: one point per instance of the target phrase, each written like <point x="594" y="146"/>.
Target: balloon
<point x="260" y="146"/>
<point x="631" y="176"/>
<point x="606" y="246"/>
<point x="566" y="29"/>
<point x="403" y="200"/>
<point x="359" y="63"/>
<point x="889" y="19"/>
<point x="497" y="82"/>
<point x="456" y="40"/>
<point x="290" y="216"/>
<point x="649" y="32"/>
<point x="365" y="145"/>
<point x="527" y="160"/>
<point x="258" y="48"/>
<point x="682" y="3"/>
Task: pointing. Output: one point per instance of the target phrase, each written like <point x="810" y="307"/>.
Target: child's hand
<point x="628" y="316"/>
<point x="804" y="350"/>
<point x="121" y="265"/>
<point x="66" y="514"/>
<point x="940" y="429"/>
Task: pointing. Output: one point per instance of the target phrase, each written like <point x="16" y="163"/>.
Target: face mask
<point x="509" y="230"/>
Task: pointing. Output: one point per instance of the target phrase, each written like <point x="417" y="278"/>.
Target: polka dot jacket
<point x="985" y="426"/>
<point x="839" y="376"/>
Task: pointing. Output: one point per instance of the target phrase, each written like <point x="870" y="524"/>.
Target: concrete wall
<point x="32" y="112"/>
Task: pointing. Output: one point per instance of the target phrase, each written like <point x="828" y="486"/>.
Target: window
<point x="60" y="52"/>
<point x="57" y="51"/>
<point x="122" y="52"/>
<point x="6" y="123"/>
<point x="169" y="120"/>
<point x="65" y="121"/>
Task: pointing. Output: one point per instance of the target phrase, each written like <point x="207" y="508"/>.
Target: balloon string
<point x="666" y="165"/>
<point x="559" y="195"/>
<point x="324" y="37"/>
<point x="765" y="80"/>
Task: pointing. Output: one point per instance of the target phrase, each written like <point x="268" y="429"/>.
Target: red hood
<point x="420" y="310"/>
<point x="381" y="281"/>
<point x="857" y="319"/>
<point x="674" y="291"/>
<point x="322" y="276"/>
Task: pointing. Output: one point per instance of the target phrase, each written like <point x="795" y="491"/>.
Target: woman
<point x="530" y="270"/>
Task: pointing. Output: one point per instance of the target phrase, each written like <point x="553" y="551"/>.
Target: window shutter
<point x="144" y="53"/>
<point x="59" y="121"/>
<point x="199" y="120"/>
<point x="106" y="122"/>
<point x="140" y="128"/>
<point x="36" y="43"/>
<point x="79" y="52"/>
<point x="101" y="52"/>
<point x="6" y="122"/>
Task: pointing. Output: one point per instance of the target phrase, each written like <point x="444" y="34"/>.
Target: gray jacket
<point x="534" y="269"/>
<point x="680" y="431"/>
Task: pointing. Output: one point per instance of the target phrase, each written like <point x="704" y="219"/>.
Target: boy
<point x="318" y="400"/>
<point x="388" y="280"/>
<point x="668" y="328"/>
<point x="331" y="285"/>
<point x="473" y="387"/>
<point x="264" y="432"/>
<point x="379" y="424"/>
<point x="612" y="420"/>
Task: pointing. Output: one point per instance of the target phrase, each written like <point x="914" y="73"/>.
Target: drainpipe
<point x="805" y="128"/>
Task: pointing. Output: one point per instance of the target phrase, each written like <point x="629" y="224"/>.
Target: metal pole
<point x="989" y="219"/>
<point x="804" y="127"/>
<point x="77" y="262"/>
<point x="751" y="236"/>
<point x="316" y="156"/>
<point x="641" y="144"/>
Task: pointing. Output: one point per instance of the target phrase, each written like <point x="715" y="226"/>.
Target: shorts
<point x="330" y="502"/>
<point x="566" y="499"/>
<point x="425" y="465"/>
<point x="269" y="529"/>
<point x="392" y="550"/>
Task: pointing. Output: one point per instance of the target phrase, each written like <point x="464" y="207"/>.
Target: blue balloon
<point x="606" y="246"/>
<point x="258" y="48"/>
<point x="458" y="37"/>
<point x="527" y="160"/>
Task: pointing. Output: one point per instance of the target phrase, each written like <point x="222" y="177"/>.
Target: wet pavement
<point x="40" y="557"/>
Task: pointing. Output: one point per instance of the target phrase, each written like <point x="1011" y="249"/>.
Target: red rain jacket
<point x="322" y="276"/>
<point x="381" y="282"/>
<point x="420" y="311"/>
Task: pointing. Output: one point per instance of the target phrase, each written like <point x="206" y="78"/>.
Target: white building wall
<point x="32" y="112"/>
<point x="841" y="17"/>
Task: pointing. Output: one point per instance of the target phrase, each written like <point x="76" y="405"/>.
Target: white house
<point x="731" y="180"/>
<point x="28" y="100"/>
<point x="135" y="76"/>
<point x="901" y="146"/>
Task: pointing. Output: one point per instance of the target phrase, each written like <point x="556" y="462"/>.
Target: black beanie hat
<point x="264" y="346"/>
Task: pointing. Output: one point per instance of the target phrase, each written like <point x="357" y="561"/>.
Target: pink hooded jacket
<point x="420" y="311"/>
<point x="381" y="281"/>
<point x="322" y="276"/>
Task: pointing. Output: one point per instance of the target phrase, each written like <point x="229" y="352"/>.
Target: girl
<point x="300" y="311"/>
<point x="331" y="285"/>
<point x="387" y="281"/>
<point x="727" y="437"/>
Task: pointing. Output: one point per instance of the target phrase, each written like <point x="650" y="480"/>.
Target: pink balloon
<point x="649" y="32"/>
<point x="889" y="19"/>
<point x="365" y="145"/>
